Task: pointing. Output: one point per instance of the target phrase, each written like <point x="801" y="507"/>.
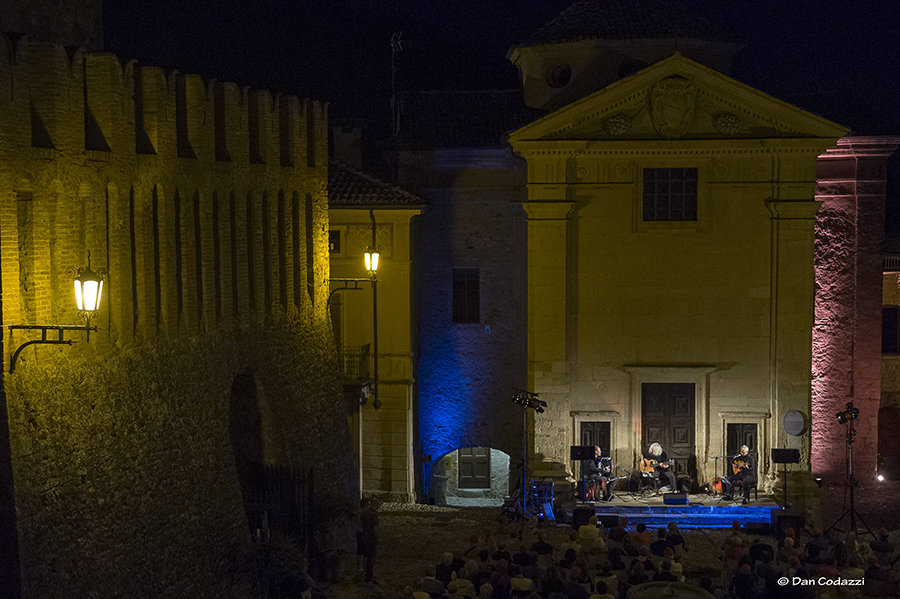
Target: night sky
<point x="339" y="50"/>
<point x="826" y="56"/>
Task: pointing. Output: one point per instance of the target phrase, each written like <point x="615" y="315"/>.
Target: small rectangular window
<point x="334" y="241"/>
<point x="466" y="295"/>
<point x="670" y="194"/>
<point x="890" y="329"/>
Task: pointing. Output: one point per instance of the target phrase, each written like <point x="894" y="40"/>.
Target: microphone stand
<point x="716" y="471"/>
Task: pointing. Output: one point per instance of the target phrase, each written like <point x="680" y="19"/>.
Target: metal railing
<point x="890" y="263"/>
<point x="355" y="362"/>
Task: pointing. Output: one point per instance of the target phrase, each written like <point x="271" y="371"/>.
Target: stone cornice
<point x="793" y="209"/>
<point x="547" y="210"/>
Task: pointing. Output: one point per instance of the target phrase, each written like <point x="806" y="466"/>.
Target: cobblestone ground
<point x="413" y="536"/>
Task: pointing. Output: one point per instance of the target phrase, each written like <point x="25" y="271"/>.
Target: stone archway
<point x="471" y="476"/>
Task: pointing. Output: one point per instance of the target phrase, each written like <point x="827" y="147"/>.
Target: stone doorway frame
<point x="698" y="375"/>
<point x="616" y="434"/>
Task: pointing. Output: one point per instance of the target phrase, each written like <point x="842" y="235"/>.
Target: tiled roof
<point x="434" y="119"/>
<point x="350" y="187"/>
<point x="626" y="19"/>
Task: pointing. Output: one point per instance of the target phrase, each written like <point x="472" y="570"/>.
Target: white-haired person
<point x="656" y="463"/>
<point x="744" y="472"/>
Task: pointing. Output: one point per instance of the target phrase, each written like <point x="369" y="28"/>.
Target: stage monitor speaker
<point x="675" y="498"/>
<point x="785" y="456"/>
<point x="581" y="515"/>
<point x="581" y="452"/>
<point x="784" y="519"/>
<point x="608" y="520"/>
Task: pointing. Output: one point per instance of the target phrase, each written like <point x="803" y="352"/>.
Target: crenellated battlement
<point x="77" y="101"/>
<point x="206" y="203"/>
<point x="182" y="161"/>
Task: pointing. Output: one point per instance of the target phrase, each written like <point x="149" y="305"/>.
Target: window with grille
<point x="466" y="295"/>
<point x="670" y="194"/>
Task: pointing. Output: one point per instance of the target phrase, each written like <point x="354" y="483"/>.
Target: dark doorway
<point x="667" y="416"/>
<point x="888" y="442"/>
<point x="741" y="434"/>
<point x="737" y="434"/>
<point x="597" y="434"/>
<point x="245" y="430"/>
<point x="475" y="468"/>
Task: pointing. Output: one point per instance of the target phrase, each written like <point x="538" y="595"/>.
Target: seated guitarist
<point x="656" y="463"/>
<point x="744" y="470"/>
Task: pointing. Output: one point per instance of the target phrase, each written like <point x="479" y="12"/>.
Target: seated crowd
<point x="599" y="563"/>
<point x="816" y="566"/>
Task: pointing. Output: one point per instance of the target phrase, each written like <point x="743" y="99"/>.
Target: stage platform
<point x="701" y="511"/>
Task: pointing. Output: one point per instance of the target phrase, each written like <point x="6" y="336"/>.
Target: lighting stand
<point x="851" y="432"/>
<point x="519" y="509"/>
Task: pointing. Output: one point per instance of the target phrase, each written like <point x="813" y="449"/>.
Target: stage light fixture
<point x="849" y="413"/>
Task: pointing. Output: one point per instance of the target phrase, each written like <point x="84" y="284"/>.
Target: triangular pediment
<point x="677" y="99"/>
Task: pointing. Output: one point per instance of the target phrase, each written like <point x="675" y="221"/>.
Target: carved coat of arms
<point x="672" y="105"/>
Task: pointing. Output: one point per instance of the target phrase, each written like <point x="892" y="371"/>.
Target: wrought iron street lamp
<point x="88" y="293"/>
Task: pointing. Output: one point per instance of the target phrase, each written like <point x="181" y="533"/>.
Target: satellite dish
<point x="795" y="423"/>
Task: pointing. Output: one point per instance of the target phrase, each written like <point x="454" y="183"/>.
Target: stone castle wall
<point x="847" y="361"/>
<point x="207" y="203"/>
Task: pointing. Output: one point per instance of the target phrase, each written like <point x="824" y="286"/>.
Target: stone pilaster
<point x="547" y="361"/>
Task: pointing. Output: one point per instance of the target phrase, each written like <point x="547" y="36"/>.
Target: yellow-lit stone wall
<point x="207" y="204"/>
<point x="666" y="302"/>
<point x="386" y="432"/>
<point x="724" y="302"/>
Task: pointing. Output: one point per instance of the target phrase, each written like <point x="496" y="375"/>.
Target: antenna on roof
<point x="396" y="46"/>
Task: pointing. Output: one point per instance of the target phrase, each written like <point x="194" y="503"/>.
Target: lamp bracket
<point x="44" y="329"/>
<point x="347" y="284"/>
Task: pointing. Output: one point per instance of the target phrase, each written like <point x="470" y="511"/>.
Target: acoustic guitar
<point x="738" y="464"/>
<point x="649" y="466"/>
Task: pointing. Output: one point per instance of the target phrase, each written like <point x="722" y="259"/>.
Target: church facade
<point x="698" y="262"/>
<point x="671" y="223"/>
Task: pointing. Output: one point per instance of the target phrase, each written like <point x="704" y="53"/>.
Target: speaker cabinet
<point x="608" y="520"/>
<point x="785" y="456"/>
<point x="788" y="519"/>
<point x="675" y="498"/>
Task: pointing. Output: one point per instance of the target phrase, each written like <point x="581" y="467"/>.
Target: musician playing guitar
<point x="743" y="466"/>
<point x="655" y="462"/>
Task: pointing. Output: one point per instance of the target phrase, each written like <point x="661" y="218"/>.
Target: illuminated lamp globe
<point x="371" y="262"/>
<point x="88" y="290"/>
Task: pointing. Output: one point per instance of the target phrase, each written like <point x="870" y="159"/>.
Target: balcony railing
<point x="354" y="362"/>
<point x="890" y="263"/>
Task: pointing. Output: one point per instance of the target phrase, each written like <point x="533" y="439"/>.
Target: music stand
<point x="579" y="453"/>
<point x="785" y="457"/>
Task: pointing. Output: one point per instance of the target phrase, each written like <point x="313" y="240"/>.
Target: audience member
<point x="588" y="533"/>
<point x="430" y="584"/>
<point x="444" y="570"/>
<point x="659" y="546"/>
<point x="665" y="573"/>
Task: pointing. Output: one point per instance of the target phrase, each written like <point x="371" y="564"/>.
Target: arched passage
<point x="471" y="476"/>
<point x="245" y="431"/>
